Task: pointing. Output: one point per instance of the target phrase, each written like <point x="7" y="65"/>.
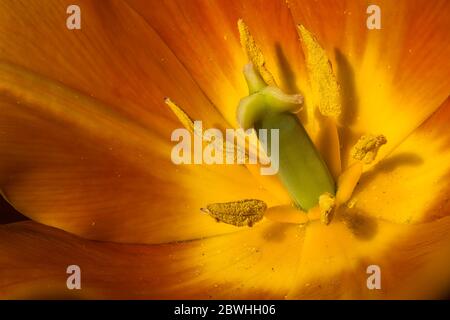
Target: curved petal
<point x="71" y="162"/>
<point x="92" y="169"/>
<point x="413" y="260"/>
<point x="411" y="184"/>
<point x="115" y="58"/>
<point x="391" y="79"/>
<point x="204" y="36"/>
<point x="258" y="263"/>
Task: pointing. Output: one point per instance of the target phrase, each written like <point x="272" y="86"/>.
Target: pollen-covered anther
<point x="254" y="53"/>
<point x="327" y="205"/>
<point x="324" y="85"/>
<point x="238" y="213"/>
<point x="366" y="149"/>
<point x="182" y="116"/>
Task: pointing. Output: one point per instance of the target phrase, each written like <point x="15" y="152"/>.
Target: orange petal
<point x="71" y="162"/>
<point x="391" y="79"/>
<point x="411" y="184"/>
<point x="115" y="58"/>
<point x="414" y="260"/>
<point x="70" y="170"/>
<point x="257" y="263"/>
<point x="8" y="213"/>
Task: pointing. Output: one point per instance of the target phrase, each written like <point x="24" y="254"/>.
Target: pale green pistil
<point x="301" y="168"/>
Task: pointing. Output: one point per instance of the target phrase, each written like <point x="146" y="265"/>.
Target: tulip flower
<point x="86" y="117"/>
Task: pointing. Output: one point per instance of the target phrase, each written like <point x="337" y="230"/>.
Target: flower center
<point x="302" y="170"/>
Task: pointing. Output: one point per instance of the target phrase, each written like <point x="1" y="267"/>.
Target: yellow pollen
<point x="366" y="149"/>
<point x="324" y="85"/>
<point x="254" y="53"/>
<point x="351" y="203"/>
<point x="327" y="205"/>
<point x="238" y="213"/>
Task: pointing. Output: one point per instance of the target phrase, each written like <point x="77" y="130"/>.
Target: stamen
<point x="347" y="182"/>
<point x="239" y="213"/>
<point x="219" y="144"/>
<point x="254" y="53"/>
<point x="366" y="149"/>
<point x="323" y="81"/>
<point x="185" y="120"/>
<point x="327" y="204"/>
<point x="286" y="214"/>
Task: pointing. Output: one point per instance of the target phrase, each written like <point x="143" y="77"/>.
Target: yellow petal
<point x="258" y="263"/>
<point x="391" y="79"/>
<point x="262" y="264"/>
<point x="414" y="260"/>
<point x="411" y="184"/>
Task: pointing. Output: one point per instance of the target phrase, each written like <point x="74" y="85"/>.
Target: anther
<point x="238" y="213"/>
<point x="327" y="205"/>
<point x="366" y="149"/>
<point x="323" y="81"/>
<point x="254" y="53"/>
